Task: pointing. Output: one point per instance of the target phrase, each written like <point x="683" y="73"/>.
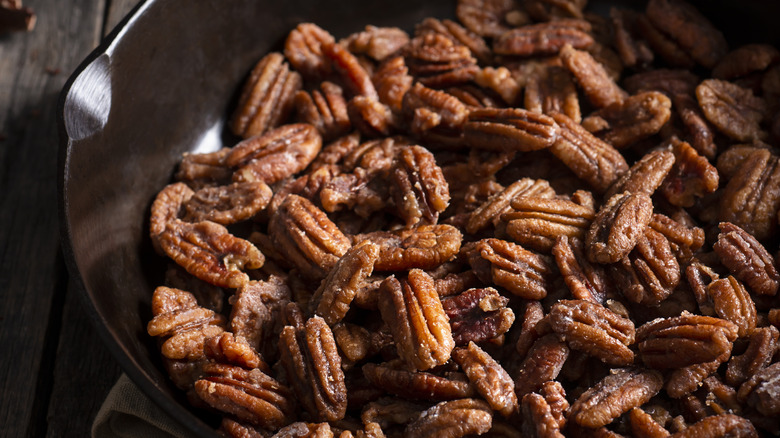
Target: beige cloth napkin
<point x="129" y="413"/>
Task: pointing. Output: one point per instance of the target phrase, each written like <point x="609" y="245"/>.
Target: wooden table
<point x="54" y="370"/>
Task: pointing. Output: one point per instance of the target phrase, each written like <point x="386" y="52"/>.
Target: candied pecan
<point x="644" y="425"/>
<point x="676" y="342"/>
<point x="509" y="129"/>
<point x="538" y="222"/>
<point x="538" y="420"/>
<point x="592" y="160"/>
<point x="623" y="123"/>
<point x="594" y="329"/>
<point x="166" y="208"/>
<point x="207" y="295"/>
<point x="415" y="315"/>
<point x="438" y="61"/>
<point x="388" y="411"/>
<point x="671" y="82"/>
<point x="506" y="264"/>
<point x="700" y="133"/>
<point x="418" y="385"/>
<point x="688" y="28"/>
<point x="267" y="97"/>
<point x="555" y="397"/>
<point x="230" y="349"/>
<point x="351" y="74"/>
<point x="428" y="108"/>
<point x="548" y="10"/>
<point x="375" y="156"/>
<point x="276" y="154"/>
<point x="542" y="363"/>
<point x="762" y="346"/>
<point x="646" y="175"/>
<point x="313" y="366"/>
<point x="376" y="42"/>
<point x="370" y="116"/>
<point x="325" y="108"/>
<point x="585" y="280"/>
<point x="552" y="90"/>
<point x="487" y="18"/>
<point x="228" y="204"/>
<point x="532" y="314"/>
<point x="500" y="81"/>
<point x="356" y="343"/>
<point x="300" y="429"/>
<point x="332" y="299"/>
<point x="719" y="426"/>
<point x="663" y="45"/>
<point x="734" y="110"/>
<point x="691" y="177"/>
<point x="251" y="396"/>
<point x="424" y="247"/>
<point x="455" y="283"/>
<point x="335" y="152"/>
<point x="198" y="170"/>
<point x="392" y="81"/>
<point x="732" y="158"/>
<point x="455" y="418"/>
<point x="683" y="381"/>
<point x="492" y="209"/>
<point x="489" y="378"/>
<point x="478" y="315"/>
<point x="650" y="272"/>
<point x="209" y="252"/>
<point x="600" y="89"/>
<point x="690" y="237"/>
<point x="458" y="34"/>
<point x="745" y="60"/>
<point x="633" y="51"/>
<point x="358" y="191"/>
<point x="543" y="38"/>
<point x="614" y="395"/>
<point x="304" y="48"/>
<point x="752" y="196"/>
<point x="761" y="389"/>
<point x="476" y="97"/>
<point x="617" y="227"/>
<point x="311" y="242"/>
<point x="232" y="428"/>
<point x="420" y="191"/>
<point x="747" y="259"/>
<point x="733" y="303"/>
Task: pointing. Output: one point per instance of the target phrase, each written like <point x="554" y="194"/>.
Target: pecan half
<point x="691" y="177"/>
<point x="418" y="385"/>
<point x="552" y="90"/>
<point x="762" y="346"/>
<point x="617" y="227"/>
<point x="509" y="129"/>
<point x="744" y="60"/>
<point x="487" y="18"/>
<point x="392" y="81"/>
<point x="585" y="280"/>
<point x="457" y="34"/>
<point x="428" y="109"/>
<point x="614" y="395"/>
<point x="538" y="222"/>
<point x="635" y="118"/>
<point x="350" y="72"/>
<point x="543" y="38"/>
<point x="747" y="259"/>
<point x="438" y="61"/>
<point x="489" y="378"/>
<point x="760" y="391"/>
<point x="311" y="360"/>
<point x="678" y="233"/>
<point x="719" y="426"/>
<point x="538" y="419"/>
<point x="424" y="247"/>
<point x="643" y="424"/>
<point x="456" y="418"/>
<point x="276" y="154"/>
<point x="370" y="116"/>
<point x="230" y="349"/>
<point x="256" y="314"/>
<point x="414" y="313"/>
<point x="229" y="204"/>
<point x="591" y="76"/>
<point x="734" y="110"/>
<point x="376" y="42"/>
<point x="646" y="175"/>
<point x="542" y="363"/>
<point x="506" y="264"/>
<point x="267" y="97"/>
<point x="492" y="209"/>
<point x="304" y="48"/>
<point x="650" y="272"/>
<point x="199" y="170"/>
<point x="325" y="108"/>
<point x="733" y="303"/>
<point x="420" y="191"/>
<point x="478" y="315"/>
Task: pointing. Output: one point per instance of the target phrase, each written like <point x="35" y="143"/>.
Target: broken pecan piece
<point x="762" y="346"/>
<point x="478" y="315"/>
<point x="617" y="227"/>
<point x="542" y="363"/>
<point x="256" y="314"/>
<point x="691" y="177"/>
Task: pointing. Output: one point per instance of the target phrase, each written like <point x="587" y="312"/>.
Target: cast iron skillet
<point x="162" y="84"/>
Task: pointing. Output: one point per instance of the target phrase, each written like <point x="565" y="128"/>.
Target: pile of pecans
<point x="534" y="222"/>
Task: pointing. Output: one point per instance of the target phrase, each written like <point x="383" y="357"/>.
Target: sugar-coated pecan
<point x="438" y="61"/>
<point x="745" y="60"/>
<point x="230" y="349"/>
<point x="532" y="314"/>
<point x="414" y="313"/>
<point x="424" y="247"/>
<point x="392" y="81"/>
<point x="594" y="329"/>
<point x="555" y="396"/>
<point x="304" y="48"/>
<point x="358" y="191"/>
<point x="644" y="425"/>
<point x="614" y="395"/>
<point x="678" y="233"/>
<point x="691" y="177"/>
<point x="752" y="196"/>
<point x="734" y="110"/>
<point x="276" y="154"/>
<point x="311" y="241"/>
<point x="390" y="411"/>
<point x="488" y="18"/>
<point x="227" y="204"/>
<point x="663" y="45"/>
<point x="676" y="342"/>
<point x="207" y="295"/>
<point x="325" y="108"/>
<point x="455" y="418"/>
<point x="538" y="420"/>
<point x="375" y="156"/>
<point x="335" y="152"/>
<point x="722" y="425"/>
<point x="684" y="380"/>
<point x="356" y="343"/>
<point x="689" y="28"/>
<point x="478" y="315"/>
<point x="313" y="366"/>
<point x="543" y="38"/>
<point x="370" y="116"/>
<point x="418" y="385"/>
<point x="499" y="81"/>
<point x="489" y="378"/>
<point x="458" y="34"/>
<point x="428" y="109"/>
<point x="635" y="118"/>
<point x="732" y="158"/>
<point x="209" y="252"/>
<point x="204" y="169"/>
<point x="646" y="175"/>
<point x="747" y="259"/>
<point x="349" y="71"/>
<point x="671" y="82"/>
<point x="633" y="51"/>
<point x="301" y="429"/>
<point x="251" y="396"/>
<point x="552" y="90"/>
<point x="542" y="363"/>
<point x="492" y="209"/>
<point x="591" y="76"/>
<point x="761" y="389"/>
<point x="733" y="303"/>
<point x="618" y="225"/>
<point x="420" y="191"/>
<point x="509" y="129"/>
<point x="762" y="346"/>
<point x="474" y="96"/>
<point x="592" y="160"/>
<point x="538" y="222"/>
<point x="376" y="42"/>
<point x="236" y="429"/>
<point x="548" y="10"/>
<point x="506" y="264"/>
<point x="650" y="272"/>
<point x="585" y="280"/>
<point x="332" y="299"/>
<point x="167" y="208"/>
